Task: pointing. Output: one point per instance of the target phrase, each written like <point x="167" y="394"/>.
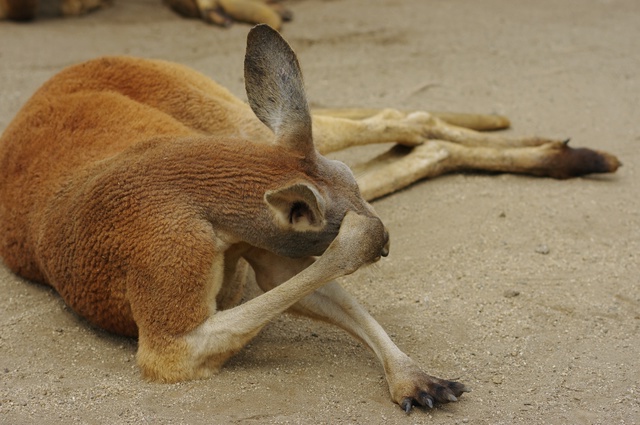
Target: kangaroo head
<point x="308" y="208"/>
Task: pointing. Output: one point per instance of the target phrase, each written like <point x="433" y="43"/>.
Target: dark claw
<point x="429" y="391"/>
<point x="443" y="394"/>
<point x="406" y="405"/>
<point x="426" y="400"/>
<point x="458" y="389"/>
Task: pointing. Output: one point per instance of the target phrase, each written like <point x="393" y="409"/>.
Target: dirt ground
<point x="525" y="289"/>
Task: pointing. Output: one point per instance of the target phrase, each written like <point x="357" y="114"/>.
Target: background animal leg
<point x="252" y="11"/>
<point x="225" y="12"/>
<point x="81" y="7"/>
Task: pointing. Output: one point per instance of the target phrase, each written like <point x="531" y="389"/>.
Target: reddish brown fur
<point x="125" y="147"/>
<point x="138" y="188"/>
<point x="98" y="110"/>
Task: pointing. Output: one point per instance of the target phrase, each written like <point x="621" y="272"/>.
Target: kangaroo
<point x="142" y="192"/>
<point x="217" y="12"/>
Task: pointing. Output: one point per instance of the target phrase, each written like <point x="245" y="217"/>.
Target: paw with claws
<point x="434" y="391"/>
<point x="410" y="386"/>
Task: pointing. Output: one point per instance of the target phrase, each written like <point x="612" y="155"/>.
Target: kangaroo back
<point x="83" y="115"/>
<point x="91" y="112"/>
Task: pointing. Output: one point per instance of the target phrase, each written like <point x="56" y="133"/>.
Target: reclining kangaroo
<point x="141" y="191"/>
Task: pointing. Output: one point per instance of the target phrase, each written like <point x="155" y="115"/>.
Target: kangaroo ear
<point x="275" y="89"/>
<point x="298" y="206"/>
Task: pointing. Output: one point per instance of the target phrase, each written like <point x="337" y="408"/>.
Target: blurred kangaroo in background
<point x="217" y="12"/>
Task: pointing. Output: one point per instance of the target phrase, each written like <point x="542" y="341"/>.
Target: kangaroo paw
<point x="410" y="386"/>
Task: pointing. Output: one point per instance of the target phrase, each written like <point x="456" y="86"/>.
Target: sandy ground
<point x="541" y="338"/>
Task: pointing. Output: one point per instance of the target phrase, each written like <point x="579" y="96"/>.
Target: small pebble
<point x="543" y="249"/>
<point x="510" y="293"/>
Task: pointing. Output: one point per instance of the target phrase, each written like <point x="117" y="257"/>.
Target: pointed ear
<point x="298" y="206"/>
<point x="275" y="89"/>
